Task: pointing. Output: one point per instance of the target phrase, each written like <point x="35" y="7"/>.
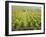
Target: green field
<point x="26" y="18"/>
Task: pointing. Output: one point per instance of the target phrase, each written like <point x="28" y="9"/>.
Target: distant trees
<point x="26" y="10"/>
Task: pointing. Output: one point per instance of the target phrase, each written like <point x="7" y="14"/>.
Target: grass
<point x="26" y="18"/>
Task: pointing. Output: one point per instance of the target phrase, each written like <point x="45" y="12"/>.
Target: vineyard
<point x="26" y="18"/>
